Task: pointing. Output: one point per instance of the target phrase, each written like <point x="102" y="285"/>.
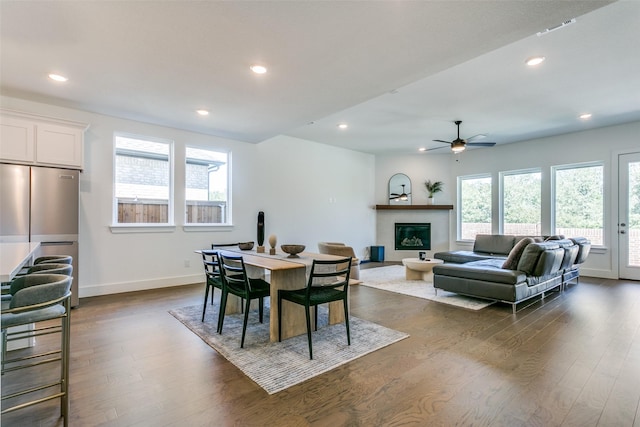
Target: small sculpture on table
<point x="260" y="248"/>
<point x="272" y="242"/>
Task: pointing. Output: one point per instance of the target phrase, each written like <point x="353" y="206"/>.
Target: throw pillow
<point x="511" y="263"/>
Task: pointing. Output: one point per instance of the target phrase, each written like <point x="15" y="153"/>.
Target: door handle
<point x="622" y="232"/>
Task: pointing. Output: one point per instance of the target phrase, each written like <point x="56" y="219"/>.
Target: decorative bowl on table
<point x="245" y="246"/>
<point x="292" y="250"/>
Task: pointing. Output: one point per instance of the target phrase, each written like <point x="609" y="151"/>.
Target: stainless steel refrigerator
<point x="39" y="204"/>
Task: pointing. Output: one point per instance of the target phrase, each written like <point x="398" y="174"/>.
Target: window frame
<point x="228" y="224"/>
<point x="556" y="168"/>
<point x="117" y="227"/>
<point x="501" y="187"/>
<point x="460" y="180"/>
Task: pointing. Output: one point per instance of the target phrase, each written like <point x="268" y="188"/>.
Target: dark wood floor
<point x="570" y="360"/>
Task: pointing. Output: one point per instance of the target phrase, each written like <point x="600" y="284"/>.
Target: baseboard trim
<point x="140" y="285"/>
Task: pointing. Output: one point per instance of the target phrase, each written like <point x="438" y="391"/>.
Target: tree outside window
<point x="475" y="206"/>
<point x="521" y="203"/>
<point x="579" y="201"/>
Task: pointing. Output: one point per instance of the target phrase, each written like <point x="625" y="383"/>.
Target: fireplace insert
<point x="413" y="236"/>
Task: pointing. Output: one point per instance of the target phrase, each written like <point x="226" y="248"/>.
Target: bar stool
<point x="36" y="298"/>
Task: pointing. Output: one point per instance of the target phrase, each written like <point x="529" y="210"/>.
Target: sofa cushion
<point x="494" y="243"/>
<point x="541" y="259"/>
<point x="511" y="263"/>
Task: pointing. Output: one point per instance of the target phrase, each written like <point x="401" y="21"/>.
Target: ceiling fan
<point x="402" y="197"/>
<point x="458" y="145"/>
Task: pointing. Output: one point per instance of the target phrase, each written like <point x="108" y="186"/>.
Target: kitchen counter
<point x="14" y="256"/>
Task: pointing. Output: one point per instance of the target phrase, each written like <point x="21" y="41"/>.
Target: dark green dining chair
<point x="328" y="282"/>
<point x="213" y="277"/>
<point x="236" y="282"/>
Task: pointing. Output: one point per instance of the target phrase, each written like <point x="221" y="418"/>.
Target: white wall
<point x="604" y="144"/>
<point x="309" y="192"/>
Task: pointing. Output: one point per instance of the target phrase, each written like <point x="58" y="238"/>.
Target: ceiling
<point x="397" y="72"/>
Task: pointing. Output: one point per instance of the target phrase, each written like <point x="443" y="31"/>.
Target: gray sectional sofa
<point x="511" y="269"/>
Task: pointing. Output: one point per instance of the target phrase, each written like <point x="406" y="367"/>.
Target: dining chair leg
<point x="223" y="308"/>
<point x="279" y="317"/>
<point x="346" y="320"/>
<point x="244" y="324"/>
<point x="261" y="308"/>
<point x="306" y="311"/>
<point x="206" y="297"/>
<point x="316" y="316"/>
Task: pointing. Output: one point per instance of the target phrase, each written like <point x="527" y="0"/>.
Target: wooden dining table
<point x="285" y="273"/>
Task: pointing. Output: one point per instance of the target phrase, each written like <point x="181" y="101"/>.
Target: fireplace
<point x="413" y="236"/>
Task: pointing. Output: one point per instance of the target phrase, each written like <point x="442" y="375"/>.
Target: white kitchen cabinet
<point x="59" y="145"/>
<point x="17" y="142"/>
<point x="38" y="140"/>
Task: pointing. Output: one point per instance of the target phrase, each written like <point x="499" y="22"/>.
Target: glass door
<point x="629" y="216"/>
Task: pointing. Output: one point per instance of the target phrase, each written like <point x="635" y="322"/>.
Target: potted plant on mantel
<point x="432" y="188"/>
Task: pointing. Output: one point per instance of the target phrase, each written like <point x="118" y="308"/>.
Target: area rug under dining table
<point x="275" y="366"/>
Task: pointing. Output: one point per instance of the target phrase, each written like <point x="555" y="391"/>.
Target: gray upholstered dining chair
<point x="38" y="298"/>
<point x="44" y="268"/>
<point x="47" y="259"/>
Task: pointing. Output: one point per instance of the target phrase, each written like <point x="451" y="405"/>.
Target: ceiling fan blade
<point x="437" y="148"/>
<point x="445" y="142"/>
<point x="481" y="144"/>
<point x="478" y="136"/>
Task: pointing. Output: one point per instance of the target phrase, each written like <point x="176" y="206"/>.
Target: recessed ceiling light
<point x="585" y="116"/>
<point x="422" y="149"/>
<point x="58" y="77"/>
<point x="202" y="112"/>
<point x="534" y="60"/>
<point x="258" y="69"/>
<point x="343" y="125"/>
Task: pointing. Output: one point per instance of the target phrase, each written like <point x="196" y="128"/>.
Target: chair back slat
<point x="329" y="274"/>
<point x="234" y="272"/>
<point x="211" y="263"/>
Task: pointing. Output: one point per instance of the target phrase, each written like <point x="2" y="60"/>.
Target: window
<point x="206" y="188"/>
<point x="521" y="203"/>
<point x="143" y="184"/>
<point x="475" y="206"/>
<point x="579" y="202"/>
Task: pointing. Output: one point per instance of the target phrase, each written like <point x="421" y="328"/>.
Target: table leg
<point x="293" y="317"/>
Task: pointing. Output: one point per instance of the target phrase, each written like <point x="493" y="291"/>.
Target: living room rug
<point x="275" y="366"/>
<point x="392" y="278"/>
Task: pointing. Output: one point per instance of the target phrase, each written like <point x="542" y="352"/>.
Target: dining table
<point x="284" y="272"/>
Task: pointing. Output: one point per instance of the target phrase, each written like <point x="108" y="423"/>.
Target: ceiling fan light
<point x="457" y="147"/>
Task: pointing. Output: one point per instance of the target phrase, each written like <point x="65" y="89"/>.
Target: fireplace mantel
<point x="413" y="207"/>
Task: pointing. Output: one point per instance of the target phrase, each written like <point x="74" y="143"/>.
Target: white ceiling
<point x="398" y="72"/>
